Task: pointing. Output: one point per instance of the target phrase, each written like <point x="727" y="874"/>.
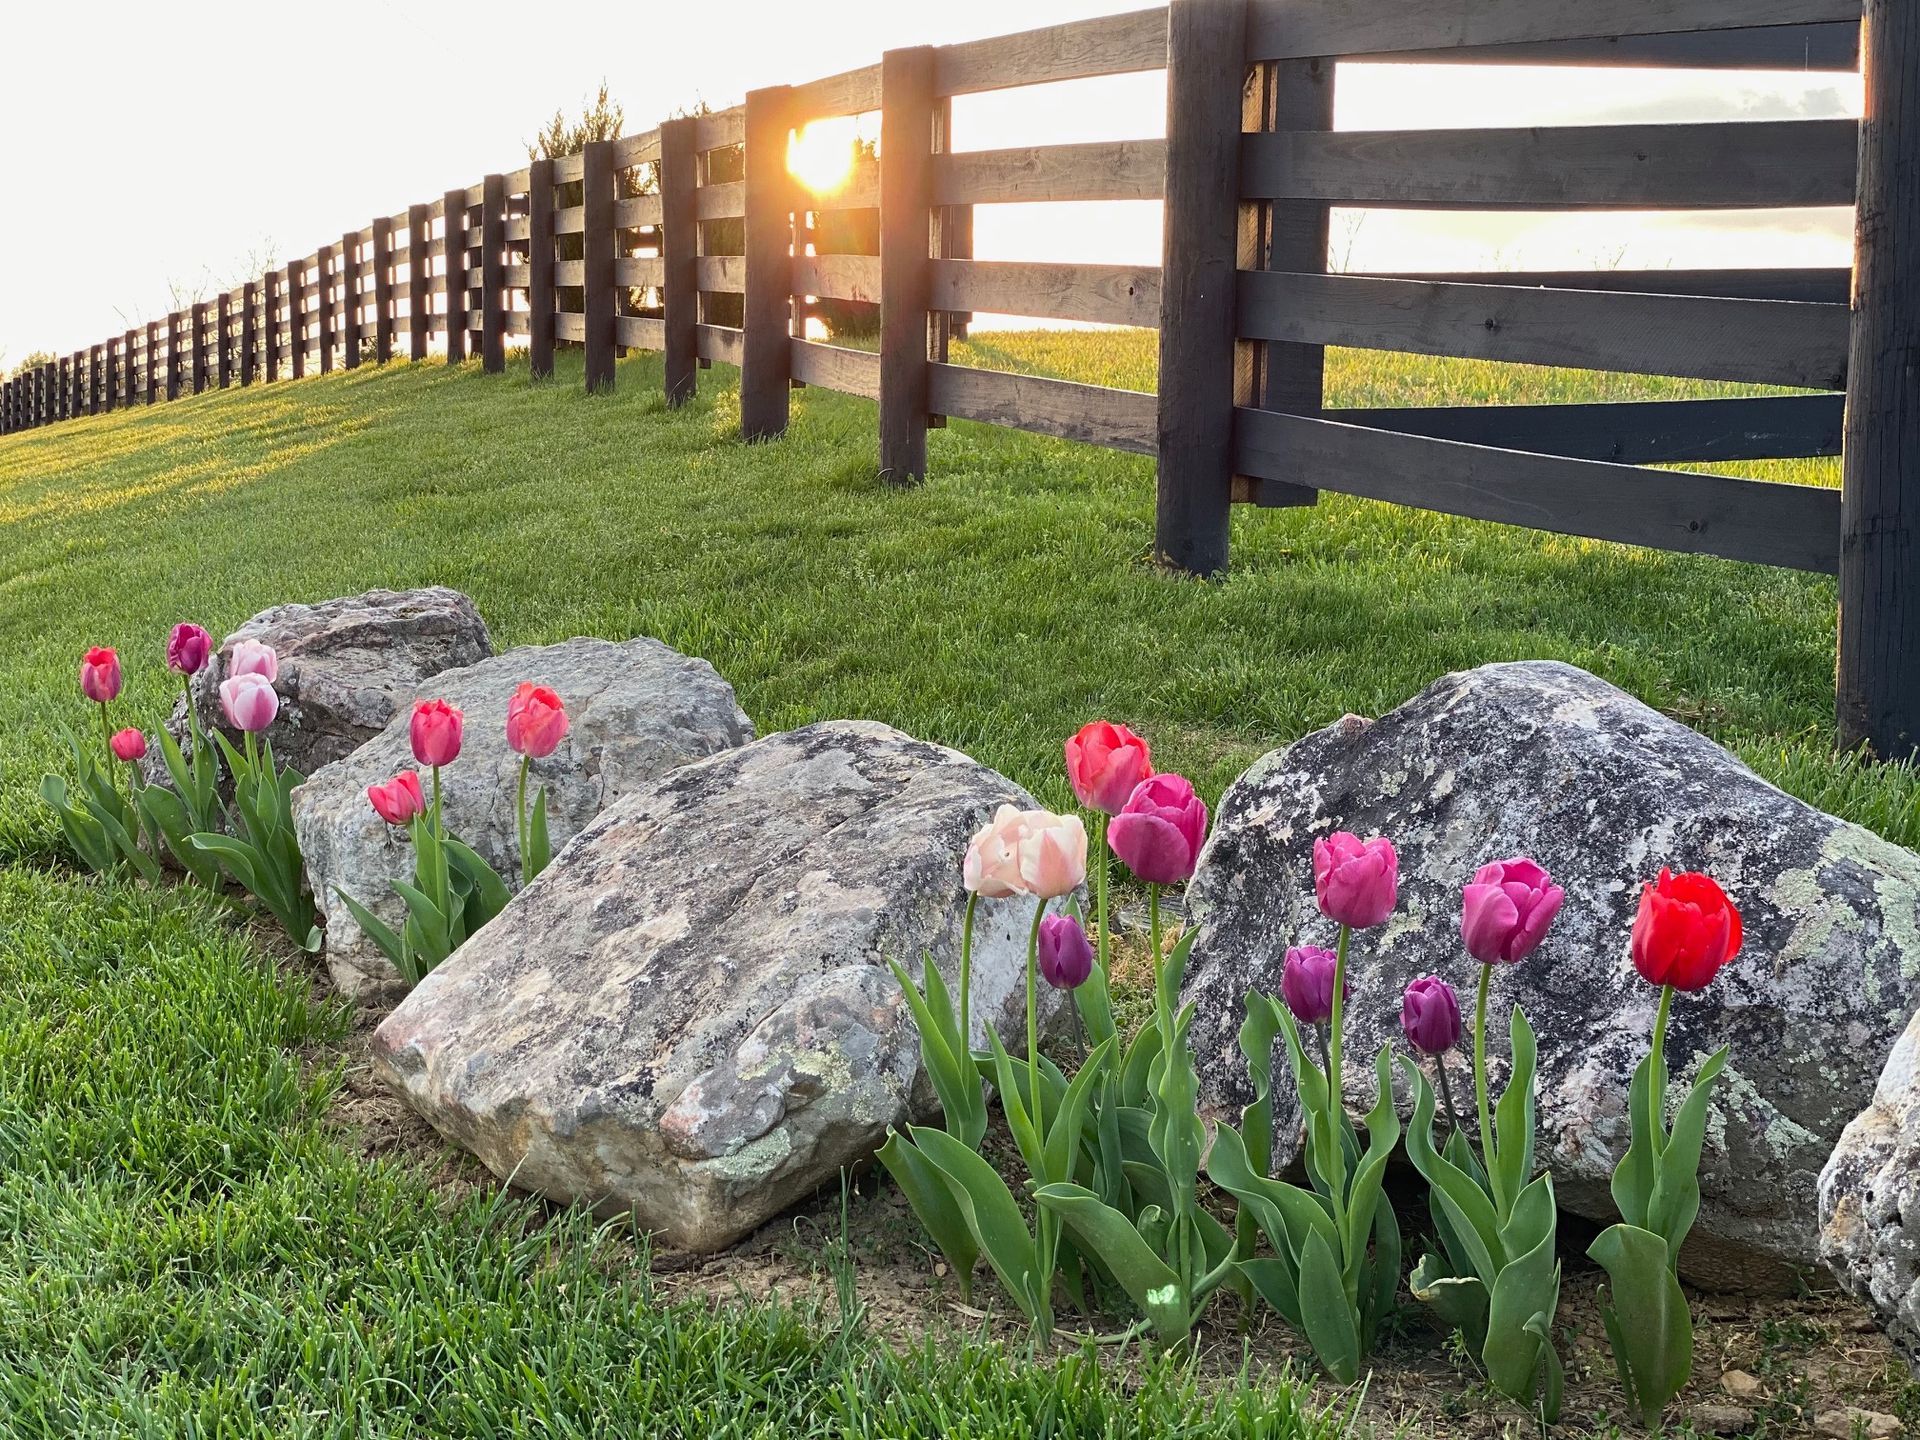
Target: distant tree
<point x="603" y="119"/>
<point x="32" y="360"/>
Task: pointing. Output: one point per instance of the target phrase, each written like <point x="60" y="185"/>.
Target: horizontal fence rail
<point x="694" y="239"/>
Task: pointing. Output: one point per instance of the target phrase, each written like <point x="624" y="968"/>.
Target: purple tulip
<point x="1505" y="912"/>
<point x="1355" y="881"/>
<point x="1157" y="833"/>
<point x="1430" y="1015"/>
<point x="1306" y="984"/>
<point x="187" y="649"/>
<point x="1066" y="955"/>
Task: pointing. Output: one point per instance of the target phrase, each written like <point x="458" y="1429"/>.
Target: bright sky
<point x="191" y="145"/>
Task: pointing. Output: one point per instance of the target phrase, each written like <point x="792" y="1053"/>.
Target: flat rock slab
<point x="1545" y="760"/>
<point x="638" y="709"/>
<point x="689" y="1016"/>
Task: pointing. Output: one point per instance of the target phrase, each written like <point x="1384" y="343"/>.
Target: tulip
<point x="100" y="675"/>
<point x="1306" y="984"/>
<point x="1355" y="881"/>
<point x="249" y="701"/>
<point x="1053" y="854"/>
<point x="1430" y="1015"/>
<point x="435" y="732"/>
<point x="254" y="657"/>
<point x="399" y="800"/>
<point x="129" y="745"/>
<point x="1686" y="930"/>
<point x="536" y="721"/>
<point x="992" y="865"/>
<point x="1105" y="762"/>
<point x="1066" y="955"/>
<point x="1505" y="912"/>
<point x="188" y="648"/>
<point x="1159" y="830"/>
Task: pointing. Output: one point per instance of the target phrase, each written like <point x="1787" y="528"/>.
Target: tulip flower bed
<point x="207" y="1228"/>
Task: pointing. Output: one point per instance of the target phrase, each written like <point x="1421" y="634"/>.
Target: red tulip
<point x="1105" y="762"/>
<point x="187" y="649"/>
<point x="1355" y="881"/>
<point x="399" y="800"/>
<point x="1157" y="833"/>
<point x="536" y="721"/>
<point x="100" y="675"/>
<point x="129" y="745"/>
<point x="435" y="732"/>
<point x="1686" y="930"/>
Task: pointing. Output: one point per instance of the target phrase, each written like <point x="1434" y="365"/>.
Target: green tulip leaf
<point x="1013" y="1087"/>
<point x="1647" y="1318"/>
<point x="1148" y="1280"/>
<point x="378" y="931"/>
<point x="1512" y="1162"/>
<point x="1063" y="1143"/>
<point x="1516" y="1357"/>
<point x="1325" y="1313"/>
<point x="1277" y="1283"/>
<point x="1459" y="1300"/>
<point x="929" y="1193"/>
<point x="948" y="1065"/>
<point x="994" y="1219"/>
<point x="1633" y="1178"/>
<point x="1675" y="1199"/>
<point x="1468" y="1209"/>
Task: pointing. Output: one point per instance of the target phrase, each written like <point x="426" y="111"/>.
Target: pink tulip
<point x="1053" y="854"/>
<point x="1356" y="881"/>
<point x="249" y="701"/>
<point x="1430" y="1015"/>
<point x="1158" y="832"/>
<point x="1066" y="955"/>
<point x="129" y="745"/>
<point x="536" y="721"/>
<point x="435" y="732"/>
<point x="1505" y="912"/>
<point x="1306" y="984"/>
<point x="100" y="675"/>
<point x="399" y="800"/>
<point x="1104" y="764"/>
<point x="252" y="657"/>
<point x="188" y="648"/>
<point x="992" y="867"/>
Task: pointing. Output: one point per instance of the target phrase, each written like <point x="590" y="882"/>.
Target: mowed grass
<point x="186" y="1247"/>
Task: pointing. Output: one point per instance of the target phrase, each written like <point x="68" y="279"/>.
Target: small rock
<point x="1854" y="1423"/>
<point x="1713" y="1419"/>
<point x="1740" y="1385"/>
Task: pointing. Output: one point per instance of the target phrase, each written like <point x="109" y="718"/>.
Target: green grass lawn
<point x="186" y="1247"/>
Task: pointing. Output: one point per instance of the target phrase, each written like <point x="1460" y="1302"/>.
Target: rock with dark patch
<point x="690" y="1016"/>
<point x="638" y="709"/>
<point x="346" y="668"/>
<point x="1870" y="1200"/>
<point x="1543" y="759"/>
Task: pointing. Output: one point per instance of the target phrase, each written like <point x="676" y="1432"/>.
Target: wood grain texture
<point x="419" y="292"/>
<point x="1108" y="45"/>
<point x="853" y="92"/>
<point x="1813" y="286"/>
<point x="631" y="150"/>
<point x="719" y="342"/>
<point x="725" y="201"/>
<point x="1092" y="414"/>
<point x="540" y="267"/>
<point x="493" y="280"/>
<point x="1100" y="170"/>
<point x="636" y="212"/>
<point x="906" y="231"/>
<point x="597" y="247"/>
<point x="679" y="253"/>
<point x="1803" y="48"/>
<point x="720" y="129"/>
<point x="381" y="246"/>
<point x="766" y="308"/>
<point x="1751" y="164"/>
<point x="835" y="367"/>
<point x="721" y="274"/>
<point x="838" y="277"/>
<point x="1764" y="342"/>
<point x="639" y="332"/>
<point x="640" y="271"/>
<point x="1796" y="526"/>
<point x="1098" y="294"/>
<point x="453" y="274"/>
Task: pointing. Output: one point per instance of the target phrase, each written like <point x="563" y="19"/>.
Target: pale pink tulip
<point x="992" y="867"/>
<point x="254" y="657"/>
<point x="249" y="701"/>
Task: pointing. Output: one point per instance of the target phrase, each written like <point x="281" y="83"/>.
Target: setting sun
<point x="821" y="156"/>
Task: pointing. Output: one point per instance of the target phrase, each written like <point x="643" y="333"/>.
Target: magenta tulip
<point x="129" y="745"/>
<point x="1356" y="881"/>
<point x="1505" y="912"/>
<point x="1306" y="984"/>
<point x="1430" y="1015"/>
<point x="435" y="732"/>
<point x="100" y="675"/>
<point x="249" y="702"/>
<point x="1066" y="955"/>
<point x="187" y="649"/>
<point x="254" y="657"/>
<point x="1158" y="832"/>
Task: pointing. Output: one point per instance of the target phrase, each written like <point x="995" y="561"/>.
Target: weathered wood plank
<point x="568" y="168"/>
<point x="1109" y="45"/>
<point x="906" y="221"/>
<point x="570" y="220"/>
<point x="853" y="92"/>
<point x="419" y="285"/>
<point x="540" y="268"/>
<point x="1101" y="170"/>
<point x="1098" y="294"/>
<point x="568" y="325"/>
<point x="838" y="277"/>
<point x="1802" y="48"/>
<point x="1796" y="526"/>
<point x="723" y="274"/>
<point x="493" y="280"/>
<point x="639" y="270"/>
<point x="1760" y="163"/>
<point x="383" y="302"/>
<point x="636" y="212"/>
<point x="631" y="150"/>
<point x="1812" y="286"/>
<point x="296" y="340"/>
<point x="453" y="273"/>
<point x="835" y="367"/>
<point x="1093" y="414"/>
<point x="720" y="129"/>
<point x="725" y="201"/>
<point x="680" y="251"/>
<point x="719" y="342"/>
<point x="639" y="332"/>
<point x="1762" y="342"/>
<point x="597" y="248"/>
<point x="249" y="338"/>
<point x="766" y="310"/>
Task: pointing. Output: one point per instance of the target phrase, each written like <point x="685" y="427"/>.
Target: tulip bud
<point x="1159" y="831"/>
<point x="1066" y="955"/>
<point x="129" y="745"/>
<point x="1306" y="984"/>
<point x="1686" y="930"/>
<point x="249" y="702"/>
<point x="536" y="721"/>
<point x="435" y="732"/>
<point x="1505" y="912"/>
<point x="254" y="657"/>
<point x="100" y="675"/>
<point x="1430" y="1015"/>
<point x="1355" y="881"/>
<point x="399" y="800"/>
<point x="1104" y="764"/>
<point x="187" y="649"/>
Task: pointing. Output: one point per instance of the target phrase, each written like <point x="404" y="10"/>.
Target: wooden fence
<point x="1245" y="306"/>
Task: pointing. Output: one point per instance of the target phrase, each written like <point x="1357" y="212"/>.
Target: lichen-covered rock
<point x="638" y="709"/>
<point x="346" y="667"/>
<point x="689" y="1016"/>
<point x="1870" y="1200"/>
<point x="1545" y="760"/>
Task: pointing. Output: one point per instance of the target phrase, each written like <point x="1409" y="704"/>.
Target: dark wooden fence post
<point x="325" y="271"/>
<point x="153" y="361"/>
<point x="270" y="326"/>
<point x="766" y="342"/>
<point x="907" y="117"/>
<point x="249" y="329"/>
<point x="223" y="339"/>
<point x="68" y="382"/>
<point x="597" y="244"/>
<point x="127" y="347"/>
<point x="540" y="298"/>
<point x="453" y="271"/>
<point x="97" y="381"/>
<point x="419" y="288"/>
<point x="297" y="318"/>
<point x="493" y="274"/>
<point x="198" y="361"/>
<point x="383" y="289"/>
<point x="679" y="253"/>
<point x="1206" y="67"/>
<point x="176" y="371"/>
<point x="1879" y="685"/>
<point x="351" y="297"/>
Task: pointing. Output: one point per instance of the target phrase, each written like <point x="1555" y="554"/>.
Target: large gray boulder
<point x="347" y="666"/>
<point x="1870" y="1200"/>
<point x="1545" y="760"/>
<point x="689" y="1016"/>
<point x="638" y="709"/>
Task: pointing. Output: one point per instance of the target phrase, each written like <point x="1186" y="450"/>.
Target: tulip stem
<point x="1326" y="1058"/>
<point x="1100" y="891"/>
<point x="1033" y="1015"/>
<point x="966" y="980"/>
<point x="1333" y="1028"/>
<point x="106" y="734"/>
<point x="1657" y="1091"/>
<point x="1480" y="1087"/>
<point x="1446" y="1092"/>
<point x="520" y="815"/>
